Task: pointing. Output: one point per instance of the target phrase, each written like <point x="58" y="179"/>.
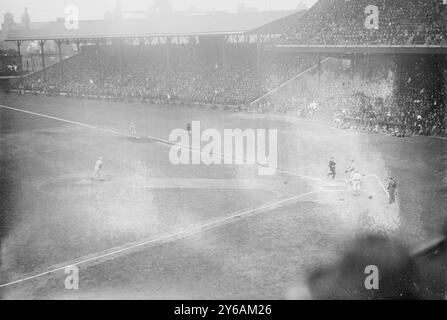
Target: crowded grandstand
<point x="401" y="22"/>
<point x="380" y="101"/>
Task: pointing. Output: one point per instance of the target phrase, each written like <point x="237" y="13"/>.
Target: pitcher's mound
<point x="85" y="181"/>
<point x="77" y="184"/>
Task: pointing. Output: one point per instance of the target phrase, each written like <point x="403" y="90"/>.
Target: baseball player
<point x="332" y="168"/>
<point x="133" y="130"/>
<point x="391" y="187"/>
<point x="349" y="171"/>
<point x="98" y="167"/>
<point x="356" y="181"/>
<point x="189" y="128"/>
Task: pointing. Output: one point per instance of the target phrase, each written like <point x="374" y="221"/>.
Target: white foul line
<point x="67" y="121"/>
<point x="291" y="79"/>
<point x="159" y="140"/>
<point x="381" y="184"/>
<point x="185" y="232"/>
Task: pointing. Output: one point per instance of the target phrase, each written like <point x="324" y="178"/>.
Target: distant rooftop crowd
<point x="399" y="22"/>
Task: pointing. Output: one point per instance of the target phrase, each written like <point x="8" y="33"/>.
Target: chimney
<point x="26" y="19"/>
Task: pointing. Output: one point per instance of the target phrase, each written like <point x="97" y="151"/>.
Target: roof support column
<point x="258" y="57"/>
<point x="179" y="52"/>
<point x="352" y="65"/>
<point x="78" y="48"/>
<point x="168" y="52"/>
<point x="195" y="50"/>
<point x="59" y="48"/>
<point x="142" y="44"/>
<point x="120" y="59"/>
<point x="224" y="52"/>
<point x="98" y="60"/>
<point x="19" y="44"/>
<point x="368" y="64"/>
<point x="78" y="45"/>
<point x="42" y="54"/>
<point x="319" y="72"/>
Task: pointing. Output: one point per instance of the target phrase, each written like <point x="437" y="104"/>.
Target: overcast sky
<point x="48" y="10"/>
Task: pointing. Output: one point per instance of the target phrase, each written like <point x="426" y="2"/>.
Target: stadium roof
<point x="278" y="26"/>
<point x="173" y="25"/>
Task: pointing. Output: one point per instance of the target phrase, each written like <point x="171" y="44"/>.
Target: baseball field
<point x="150" y="229"/>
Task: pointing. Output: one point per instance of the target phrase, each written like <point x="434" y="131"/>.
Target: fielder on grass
<point x="391" y="187"/>
<point x="189" y="128"/>
<point x="349" y="171"/>
<point x="98" y="167"/>
<point x="133" y="130"/>
<point x="331" y="168"/>
<point x="356" y="181"/>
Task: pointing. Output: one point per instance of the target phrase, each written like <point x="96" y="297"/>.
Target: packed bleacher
<point x="8" y="63"/>
<point x="412" y="104"/>
<point x="145" y="76"/>
<point x="369" y="104"/>
<point x="400" y="22"/>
